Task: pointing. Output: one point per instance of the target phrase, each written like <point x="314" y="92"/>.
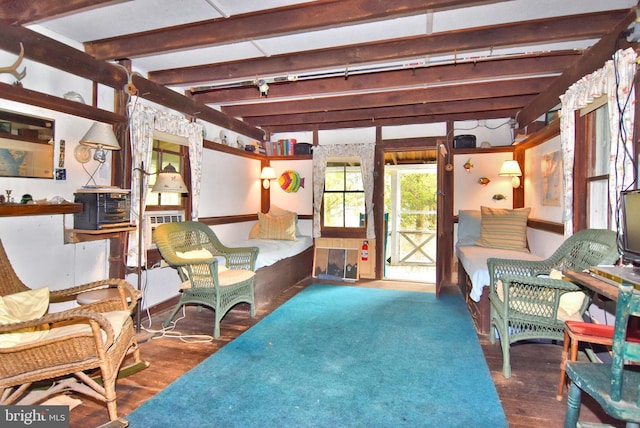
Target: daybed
<point x="285" y="257"/>
<point x="473" y="274"/>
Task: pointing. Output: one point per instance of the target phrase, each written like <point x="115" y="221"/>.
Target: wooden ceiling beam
<point x="58" y="55"/>
<point x="593" y="59"/>
<point x="441" y="108"/>
<point x="496" y="114"/>
<point x="486" y="69"/>
<point x="26" y="11"/>
<point x="434" y="94"/>
<point x="293" y="19"/>
<point x="575" y="27"/>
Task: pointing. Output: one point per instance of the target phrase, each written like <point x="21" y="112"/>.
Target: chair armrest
<point x="129" y="296"/>
<point x="529" y="268"/>
<point x="538" y="296"/>
<point x="77" y="316"/>
<point x="241" y="257"/>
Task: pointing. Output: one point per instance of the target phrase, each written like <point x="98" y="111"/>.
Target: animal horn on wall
<point x="13" y="69"/>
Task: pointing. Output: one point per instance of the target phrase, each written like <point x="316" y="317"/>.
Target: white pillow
<point x="24" y="306"/>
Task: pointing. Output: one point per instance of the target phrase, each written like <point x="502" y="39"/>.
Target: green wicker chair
<point x="527" y="304"/>
<point x="193" y="250"/>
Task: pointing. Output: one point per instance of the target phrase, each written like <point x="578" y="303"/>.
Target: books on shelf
<point x="282" y="147"/>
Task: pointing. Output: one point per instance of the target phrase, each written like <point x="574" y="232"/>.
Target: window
<point x="598" y="143"/>
<point x="343" y="201"/>
<point x="165" y="153"/>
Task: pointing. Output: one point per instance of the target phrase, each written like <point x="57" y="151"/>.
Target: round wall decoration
<point x="82" y="153"/>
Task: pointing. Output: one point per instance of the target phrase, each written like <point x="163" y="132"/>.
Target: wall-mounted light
<point x="100" y="137"/>
<point x="511" y="168"/>
<point x="263" y="87"/>
<point x="268" y="173"/>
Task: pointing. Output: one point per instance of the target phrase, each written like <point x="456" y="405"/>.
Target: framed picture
<point x="551" y="168"/>
<point x="337" y="264"/>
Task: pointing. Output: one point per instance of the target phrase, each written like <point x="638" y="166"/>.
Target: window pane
<point x="354" y="205"/>
<point x="601" y="149"/>
<point x="164" y="153"/>
<point x="333" y="210"/>
<point x="334" y="179"/>
<point x="598" y="211"/>
<point x="354" y="179"/>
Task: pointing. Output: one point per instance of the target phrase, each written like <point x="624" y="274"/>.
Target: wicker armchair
<point x="89" y="337"/>
<point x="525" y="302"/>
<point x="193" y="250"/>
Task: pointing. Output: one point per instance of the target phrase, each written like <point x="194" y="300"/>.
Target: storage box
<point x="302" y="149"/>
<point x="464" y="142"/>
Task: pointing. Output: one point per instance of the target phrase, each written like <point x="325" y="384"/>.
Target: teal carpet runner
<point x="340" y="356"/>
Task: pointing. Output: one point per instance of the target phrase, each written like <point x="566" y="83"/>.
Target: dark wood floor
<point x="528" y="397"/>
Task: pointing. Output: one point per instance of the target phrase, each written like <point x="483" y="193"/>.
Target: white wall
<point x="469" y="194"/>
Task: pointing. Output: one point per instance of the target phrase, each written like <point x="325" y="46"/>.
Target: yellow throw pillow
<point x="24" y="306"/>
<point x="281" y="228"/>
<point x="504" y="228"/>
<point x="254" y="233"/>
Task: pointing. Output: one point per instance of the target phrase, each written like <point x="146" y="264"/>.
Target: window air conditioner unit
<point x="155" y="218"/>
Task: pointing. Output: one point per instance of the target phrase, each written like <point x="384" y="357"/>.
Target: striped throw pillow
<point x="504" y="228"/>
<point x="281" y="228"/>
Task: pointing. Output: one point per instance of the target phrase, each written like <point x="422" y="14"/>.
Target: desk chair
<point x="576" y="332"/>
<point x="614" y="386"/>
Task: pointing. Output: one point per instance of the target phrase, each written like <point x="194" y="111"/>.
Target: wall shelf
<point x="15" y="210"/>
<point x="72" y="236"/>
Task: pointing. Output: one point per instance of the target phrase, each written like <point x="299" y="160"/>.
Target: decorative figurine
<point x="484" y="181"/>
<point x="468" y="165"/>
<point x="499" y="197"/>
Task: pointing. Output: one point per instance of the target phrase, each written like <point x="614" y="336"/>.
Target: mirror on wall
<point x="26" y="145"/>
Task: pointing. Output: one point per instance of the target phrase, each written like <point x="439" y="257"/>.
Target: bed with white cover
<point x="473" y="274"/>
<point x="285" y="257"/>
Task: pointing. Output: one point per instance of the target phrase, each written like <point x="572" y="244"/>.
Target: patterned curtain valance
<point x="615" y="80"/>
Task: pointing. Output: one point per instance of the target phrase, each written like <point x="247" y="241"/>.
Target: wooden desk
<point x="594" y="284"/>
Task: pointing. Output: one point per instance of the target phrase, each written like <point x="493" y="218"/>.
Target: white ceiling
<point x="143" y="15"/>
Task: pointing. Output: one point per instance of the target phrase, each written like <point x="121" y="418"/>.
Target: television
<point x="631" y="227"/>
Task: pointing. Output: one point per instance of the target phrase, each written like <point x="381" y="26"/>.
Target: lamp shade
<point x="169" y="181"/>
<point x="268" y="173"/>
<point x="510" y="168"/>
<point x="100" y="136"/>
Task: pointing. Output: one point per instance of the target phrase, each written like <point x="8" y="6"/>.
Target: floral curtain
<point x="366" y="153"/>
<point x="615" y="80"/>
<point x="143" y="120"/>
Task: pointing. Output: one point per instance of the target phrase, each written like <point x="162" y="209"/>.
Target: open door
<point x="444" y="224"/>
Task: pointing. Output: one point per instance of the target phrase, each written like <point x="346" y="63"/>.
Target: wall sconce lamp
<point x="511" y="168"/>
<point x="100" y="137"/>
<point x="268" y="173"/>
